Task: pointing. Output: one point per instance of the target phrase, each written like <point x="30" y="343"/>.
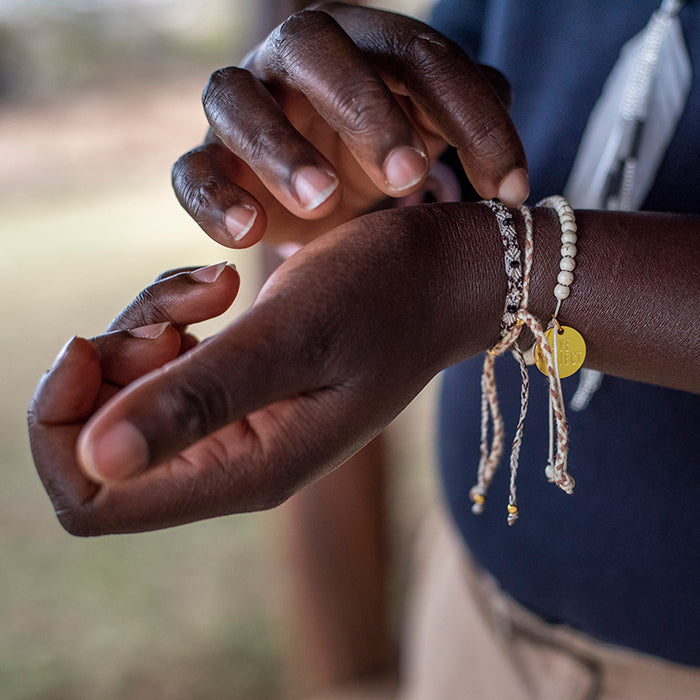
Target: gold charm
<point x="570" y="354"/>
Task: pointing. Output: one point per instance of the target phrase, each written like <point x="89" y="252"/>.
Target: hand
<point x="339" y="108"/>
<point x="343" y="336"/>
<point x="150" y="332"/>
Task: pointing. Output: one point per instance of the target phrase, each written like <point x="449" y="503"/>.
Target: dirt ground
<point x="87" y="218"/>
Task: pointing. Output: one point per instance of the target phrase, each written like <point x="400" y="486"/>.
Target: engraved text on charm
<point x="570" y="351"/>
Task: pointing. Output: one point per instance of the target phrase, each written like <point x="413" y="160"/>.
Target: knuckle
<point x="199" y="406"/>
<point x="296" y="30"/>
<point x="148" y="307"/>
<point x="223" y="97"/>
<point x="221" y="84"/>
<point x="488" y="140"/>
<point x="434" y="55"/>
<point x="293" y="45"/>
<point x="197" y="197"/>
<point x="195" y="183"/>
<point x="264" y="139"/>
<point x="145" y="309"/>
<point x="363" y="107"/>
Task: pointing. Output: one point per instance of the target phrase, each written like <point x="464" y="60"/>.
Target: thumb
<point x="245" y="367"/>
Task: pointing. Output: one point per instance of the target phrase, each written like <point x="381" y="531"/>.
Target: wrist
<point x="475" y="256"/>
<point x="475" y="284"/>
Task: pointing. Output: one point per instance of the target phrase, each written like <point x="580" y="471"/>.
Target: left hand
<point x="344" y="335"/>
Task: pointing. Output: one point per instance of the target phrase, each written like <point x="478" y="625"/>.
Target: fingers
<point x="218" y="382"/>
<point x="451" y="90"/>
<point x="182" y="298"/>
<point x="290" y="168"/>
<point x="311" y="53"/>
<point x="340" y="72"/>
<point x="252" y="464"/>
<point x="66" y="397"/>
<point x="204" y="183"/>
<point x="162" y="312"/>
<point x="313" y="77"/>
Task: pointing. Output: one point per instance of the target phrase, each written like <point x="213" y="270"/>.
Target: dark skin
<point x="351" y="328"/>
<point x="331" y="95"/>
<point x="342" y="89"/>
<point x="345" y="333"/>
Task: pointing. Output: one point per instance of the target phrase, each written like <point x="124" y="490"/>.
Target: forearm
<point x="635" y="291"/>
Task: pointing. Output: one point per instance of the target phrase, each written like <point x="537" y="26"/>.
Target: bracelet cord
<point x="511" y="326"/>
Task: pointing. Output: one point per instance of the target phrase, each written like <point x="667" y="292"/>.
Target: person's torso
<point x="617" y="559"/>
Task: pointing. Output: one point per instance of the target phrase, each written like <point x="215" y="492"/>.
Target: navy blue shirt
<point x="620" y="558"/>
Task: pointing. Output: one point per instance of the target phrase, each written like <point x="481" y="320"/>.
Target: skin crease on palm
<point x="144" y="428"/>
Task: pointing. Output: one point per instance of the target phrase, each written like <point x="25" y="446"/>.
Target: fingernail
<point x="209" y="274"/>
<point x="313" y="186"/>
<point x="155" y="330"/>
<point x="514" y="188"/>
<point x="63" y="352"/>
<point x="120" y="452"/>
<point x="404" y="167"/>
<point x="239" y="220"/>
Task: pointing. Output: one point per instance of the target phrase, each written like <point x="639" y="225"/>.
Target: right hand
<point x="340" y="107"/>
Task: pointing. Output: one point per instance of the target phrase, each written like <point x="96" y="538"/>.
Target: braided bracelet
<point x="514" y="274"/>
<point x="518" y="277"/>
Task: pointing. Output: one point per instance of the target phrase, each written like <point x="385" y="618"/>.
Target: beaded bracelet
<point x="567" y="344"/>
<point x="570" y="340"/>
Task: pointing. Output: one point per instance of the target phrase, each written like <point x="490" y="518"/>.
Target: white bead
<point x="569" y="226"/>
<point x="565" y="277"/>
<point x="567" y="264"/>
<point x="568" y="250"/>
<point x="561" y="291"/>
<point x="568" y="237"/>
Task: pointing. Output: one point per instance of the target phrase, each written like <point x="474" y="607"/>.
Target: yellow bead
<point x="478" y="498"/>
<point x="512" y="509"/>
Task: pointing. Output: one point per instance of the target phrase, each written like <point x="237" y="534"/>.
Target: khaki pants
<point x="468" y="641"/>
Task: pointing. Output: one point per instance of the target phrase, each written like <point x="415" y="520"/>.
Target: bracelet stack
<point x="559" y="352"/>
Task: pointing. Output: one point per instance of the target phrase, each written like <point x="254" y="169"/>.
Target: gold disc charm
<point x="570" y="352"/>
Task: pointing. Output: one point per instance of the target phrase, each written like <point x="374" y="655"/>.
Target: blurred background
<point x="97" y="100"/>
